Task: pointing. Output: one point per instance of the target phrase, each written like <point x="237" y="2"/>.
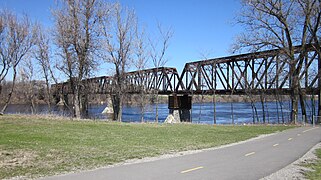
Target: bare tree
<point x="77" y="36"/>
<point x="27" y="75"/>
<point x="118" y="33"/>
<point x="16" y="41"/>
<point x="158" y="51"/>
<point x="141" y="63"/>
<point x="5" y="61"/>
<point x="281" y="24"/>
<point x="42" y="55"/>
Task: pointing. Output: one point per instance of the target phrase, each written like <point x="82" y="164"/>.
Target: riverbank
<point x="201" y="113"/>
<point x="33" y="146"/>
<point x="135" y="99"/>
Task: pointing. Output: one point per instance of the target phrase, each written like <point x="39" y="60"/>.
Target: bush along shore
<point x="34" y="146"/>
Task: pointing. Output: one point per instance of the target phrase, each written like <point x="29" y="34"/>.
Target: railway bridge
<point x="267" y="72"/>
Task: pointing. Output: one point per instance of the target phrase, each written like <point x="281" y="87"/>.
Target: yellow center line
<point x="193" y="169"/>
<point x="275" y="145"/>
<point x="249" y="154"/>
<point x="310" y="129"/>
<point x="290" y="139"/>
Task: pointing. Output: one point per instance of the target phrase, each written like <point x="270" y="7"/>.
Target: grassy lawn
<point x="315" y="166"/>
<point x="37" y="146"/>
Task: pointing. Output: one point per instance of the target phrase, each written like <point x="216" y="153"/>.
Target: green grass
<point x="38" y="146"/>
<point x="315" y="167"/>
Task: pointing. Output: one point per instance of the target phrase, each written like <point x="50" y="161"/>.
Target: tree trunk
<point x="313" y="107"/>
<point x="117" y="107"/>
<point x="48" y="94"/>
<point x="32" y="105"/>
<point x="214" y="108"/>
<point x="142" y="105"/>
<point x="83" y="105"/>
<point x="263" y="107"/>
<point x="77" y="113"/>
<point x="11" y="91"/>
<point x="303" y="109"/>
<point x="142" y="112"/>
<point x="232" y="112"/>
<point x="281" y="108"/>
<point x="294" y="109"/>
<point x="319" y="89"/>
<point x="294" y="93"/>
<point x="120" y="112"/>
<point x="115" y="103"/>
<point x="267" y="111"/>
<point x="156" y="118"/>
<point x="319" y="106"/>
<point x="253" y="112"/>
<point x="201" y="107"/>
<point x="277" y="100"/>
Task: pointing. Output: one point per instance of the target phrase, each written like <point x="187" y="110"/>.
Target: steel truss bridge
<point x="262" y="72"/>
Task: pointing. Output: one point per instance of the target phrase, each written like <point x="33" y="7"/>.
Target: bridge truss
<point x="267" y="71"/>
<point x="164" y="80"/>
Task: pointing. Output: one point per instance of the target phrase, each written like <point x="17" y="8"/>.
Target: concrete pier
<point x="109" y="108"/>
<point x="179" y="108"/>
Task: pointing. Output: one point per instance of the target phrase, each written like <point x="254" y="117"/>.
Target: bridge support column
<point x="179" y="108"/>
<point x="109" y="108"/>
<point x="62" y="100"/>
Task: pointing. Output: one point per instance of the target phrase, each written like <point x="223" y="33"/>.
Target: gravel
<point x="294" y="170"/>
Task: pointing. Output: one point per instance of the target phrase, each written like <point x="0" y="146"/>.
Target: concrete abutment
<point x="179" y="108"/>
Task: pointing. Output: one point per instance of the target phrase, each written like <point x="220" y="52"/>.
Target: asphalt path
<point x="250" y="160"/>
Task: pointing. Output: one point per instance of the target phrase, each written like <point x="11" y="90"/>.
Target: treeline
<point x="85" y="34"/>
<point x="89" y="33"/>
<point x="24" y="92"/>
<point x="284" y="24"/>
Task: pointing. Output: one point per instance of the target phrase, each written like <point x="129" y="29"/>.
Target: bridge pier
<point x="109" y="108"/>
<point x="62" y="100"/>
<point x="179" y="108"/>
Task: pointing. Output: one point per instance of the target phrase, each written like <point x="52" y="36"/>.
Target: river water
<point x="203" y="113"/>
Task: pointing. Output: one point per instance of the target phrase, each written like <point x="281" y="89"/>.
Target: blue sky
<point x="201" y="27"/>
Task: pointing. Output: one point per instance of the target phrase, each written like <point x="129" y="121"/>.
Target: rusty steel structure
<point x="262" y="72"/>
<point x="164" y="80"/>
<point x="266" y="71"/>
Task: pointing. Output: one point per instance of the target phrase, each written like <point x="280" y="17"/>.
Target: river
<point x="202" y="113"/>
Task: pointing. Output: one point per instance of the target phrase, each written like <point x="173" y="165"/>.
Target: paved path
<point x="251" y="160"/>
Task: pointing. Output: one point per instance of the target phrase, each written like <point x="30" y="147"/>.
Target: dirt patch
<point x="12" y="159"/>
